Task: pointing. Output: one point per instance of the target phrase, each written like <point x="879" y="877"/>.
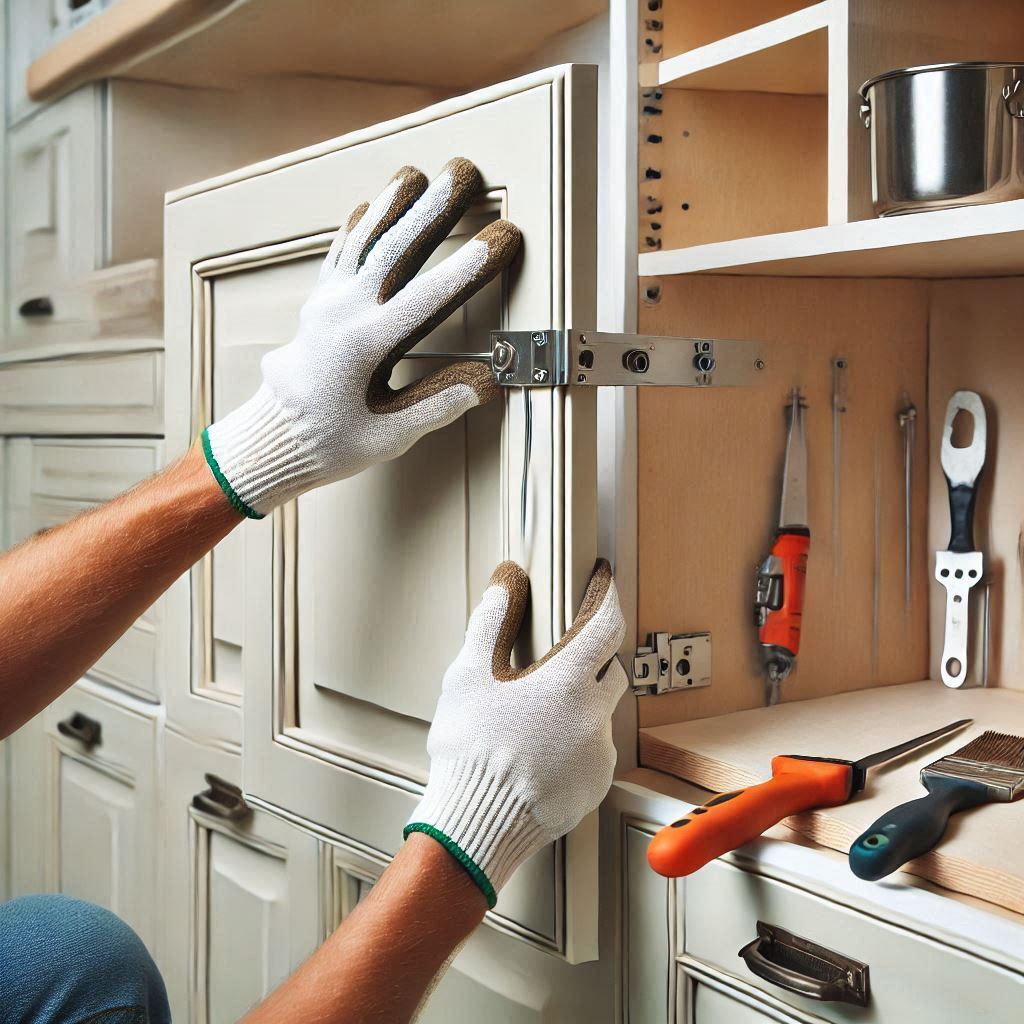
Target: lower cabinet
<point x="100" y="757"/>
<point x="243" y="893"/>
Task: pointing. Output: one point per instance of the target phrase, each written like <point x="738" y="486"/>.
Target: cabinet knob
<point x="801" y="966"/>
<point x="81" y="727"/>
<point x="41" y="306"/>
<point x="222" y="800"/>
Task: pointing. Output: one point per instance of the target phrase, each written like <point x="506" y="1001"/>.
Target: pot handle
<point x="1014" y="106"/>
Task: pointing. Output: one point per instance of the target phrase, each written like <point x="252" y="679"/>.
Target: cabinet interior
<point x="912" y="318"/>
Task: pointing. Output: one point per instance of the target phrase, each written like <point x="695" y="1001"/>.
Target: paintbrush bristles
<point x="996" y="748"/>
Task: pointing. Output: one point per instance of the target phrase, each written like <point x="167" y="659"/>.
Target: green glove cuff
<point x="474" y="872"/>
<point x="236" y="502"/>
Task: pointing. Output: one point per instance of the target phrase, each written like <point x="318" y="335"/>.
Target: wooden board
<point x="980" y="853"/>
<point x="692" y="23"/>
<point x="709" y="480"/>
<point x="732" y="164"/>
<point x="975" y="343"/>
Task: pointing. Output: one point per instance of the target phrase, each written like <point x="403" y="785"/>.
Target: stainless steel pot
<point x="945" y="135"/>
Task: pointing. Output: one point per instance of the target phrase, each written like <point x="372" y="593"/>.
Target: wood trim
<point x="122" y="34"/>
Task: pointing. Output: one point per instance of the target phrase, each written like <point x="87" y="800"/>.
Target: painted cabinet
<point x="337" y="696"/>
<point x="243" y="903"/>
<point x="100" y="805"/>
<point x="50" y="481"/>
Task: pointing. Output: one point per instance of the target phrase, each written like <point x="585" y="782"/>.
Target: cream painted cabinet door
<point x="242" y="893"/>
<point x="102" y="760"/>
<point x="341" y="611"/>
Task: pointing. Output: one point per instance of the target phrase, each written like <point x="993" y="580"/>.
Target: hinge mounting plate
<point x="672" y="661"/>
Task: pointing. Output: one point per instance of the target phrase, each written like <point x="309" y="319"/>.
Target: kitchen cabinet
<point x="242" y="904"/>
<point x="337" y="696"/>
<point x="51" y="480"/>
<point x="102" y="756"/>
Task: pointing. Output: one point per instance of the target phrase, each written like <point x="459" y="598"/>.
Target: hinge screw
<point x="758" y="364"/>
<point x="540" y="376"/>
<point x="539" y="339"/>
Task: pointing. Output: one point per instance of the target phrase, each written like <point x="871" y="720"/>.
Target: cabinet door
<point x="49" y="482"/>
<point x="242" y="896"/>
<point x="101" y="802"/>
<point x="493" y="977"/>
<point x="355" y="598"/>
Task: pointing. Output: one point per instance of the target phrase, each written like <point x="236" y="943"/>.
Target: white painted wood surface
<point x="100" y="808"/>
<point x="241" y="902"/>
<point x="360" y="778"/>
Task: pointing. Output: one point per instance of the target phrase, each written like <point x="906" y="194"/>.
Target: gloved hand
<point x="325" y="410"/>
<point x="519" y="756"/>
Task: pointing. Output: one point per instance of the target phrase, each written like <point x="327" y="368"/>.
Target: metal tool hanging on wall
<point x="960" y="567"/>
<point x="907" y="419"/>
<point x="779" y="599"/>
<point x="551" y="358"/>
<point x="839" y="373"/>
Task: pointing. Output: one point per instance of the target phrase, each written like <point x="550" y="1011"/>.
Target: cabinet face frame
<point x="207" y="231"/>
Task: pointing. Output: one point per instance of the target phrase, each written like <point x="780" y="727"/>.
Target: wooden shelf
<point x="974" y="241"/>
<point x="788" y="55"/>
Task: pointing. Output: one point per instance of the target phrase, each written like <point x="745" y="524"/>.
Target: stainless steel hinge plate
<point x="672" y="661"/>
<point x="600" y="359"/>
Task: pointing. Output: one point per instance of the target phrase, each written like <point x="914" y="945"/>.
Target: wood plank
<point x="709" y="478"/>
<point x="976" y="241"/>
<point x="688" y="24"/>
<point x="789" y="55"/>
<point x="974" y="331"/>
<point x="732" y="164"/>
<point x="978" y="856"/>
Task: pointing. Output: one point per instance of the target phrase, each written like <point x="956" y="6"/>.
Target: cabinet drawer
<point x="57" y="209"/>
<point x="242" y="895"/>
<point x="112" y="393"/>
<point x="49" y="482"/>
<point x="911" y="976"/>
<point x="101" y="769"/>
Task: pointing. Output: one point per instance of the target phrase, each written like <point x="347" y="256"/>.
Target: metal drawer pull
<point x="41" y="306"/>
<point x="222" y="800"/>
<point x="82" y="728"/>
<point x="803" y="967"/>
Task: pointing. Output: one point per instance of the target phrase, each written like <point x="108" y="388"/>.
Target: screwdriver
<point x="798" y="783"/>
<point x="779" y="600"/>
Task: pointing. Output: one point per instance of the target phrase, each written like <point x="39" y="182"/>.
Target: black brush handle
<point x="913" y="828"/>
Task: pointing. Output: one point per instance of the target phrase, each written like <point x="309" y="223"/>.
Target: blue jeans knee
<point x="64" y="960"/>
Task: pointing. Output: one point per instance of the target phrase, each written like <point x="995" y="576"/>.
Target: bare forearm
<point x="67" y="594"/>
<point x="382" y="959"/>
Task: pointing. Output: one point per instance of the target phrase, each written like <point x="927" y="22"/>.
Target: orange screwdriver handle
<point x="781" y="626"/>
<point x="729" y="820"/>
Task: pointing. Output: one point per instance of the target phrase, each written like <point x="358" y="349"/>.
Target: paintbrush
<point x="989" y="769"/>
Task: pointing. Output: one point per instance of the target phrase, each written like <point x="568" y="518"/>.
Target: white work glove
<point x="325" y="410"/>
<point x="519" y="756"/>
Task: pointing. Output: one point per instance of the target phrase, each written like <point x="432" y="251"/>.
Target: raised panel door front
<point x="356" y="596"/>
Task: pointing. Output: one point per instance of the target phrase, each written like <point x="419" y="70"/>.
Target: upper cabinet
<point x="342" y="610"/>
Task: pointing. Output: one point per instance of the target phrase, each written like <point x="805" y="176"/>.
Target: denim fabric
<point x="64" y="961"/>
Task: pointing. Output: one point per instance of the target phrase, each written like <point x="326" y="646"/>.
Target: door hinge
<point x="551" y="358"/>
<point x="672" y="661"/>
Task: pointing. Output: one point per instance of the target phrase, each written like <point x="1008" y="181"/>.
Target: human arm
<point x="324" y="411"/>
<point x="517" y="758"/>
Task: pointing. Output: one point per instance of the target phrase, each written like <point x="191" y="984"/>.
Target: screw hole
<point x="686" y="206"/>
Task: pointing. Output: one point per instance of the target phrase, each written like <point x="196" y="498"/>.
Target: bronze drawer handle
<point x="81" y="727"/>
<point x="801" y="966"/>
<point x="222" y="800"/>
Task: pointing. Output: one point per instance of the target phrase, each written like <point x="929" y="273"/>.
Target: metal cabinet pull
<point x="222" y="800"/>
<point x="81" y="727"/>
<point x="801" y="966"/>
<point x="41" y="306"/>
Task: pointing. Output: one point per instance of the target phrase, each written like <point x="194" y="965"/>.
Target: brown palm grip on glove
<point x="326" y="409"/>
<point x="519" y="756"/>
